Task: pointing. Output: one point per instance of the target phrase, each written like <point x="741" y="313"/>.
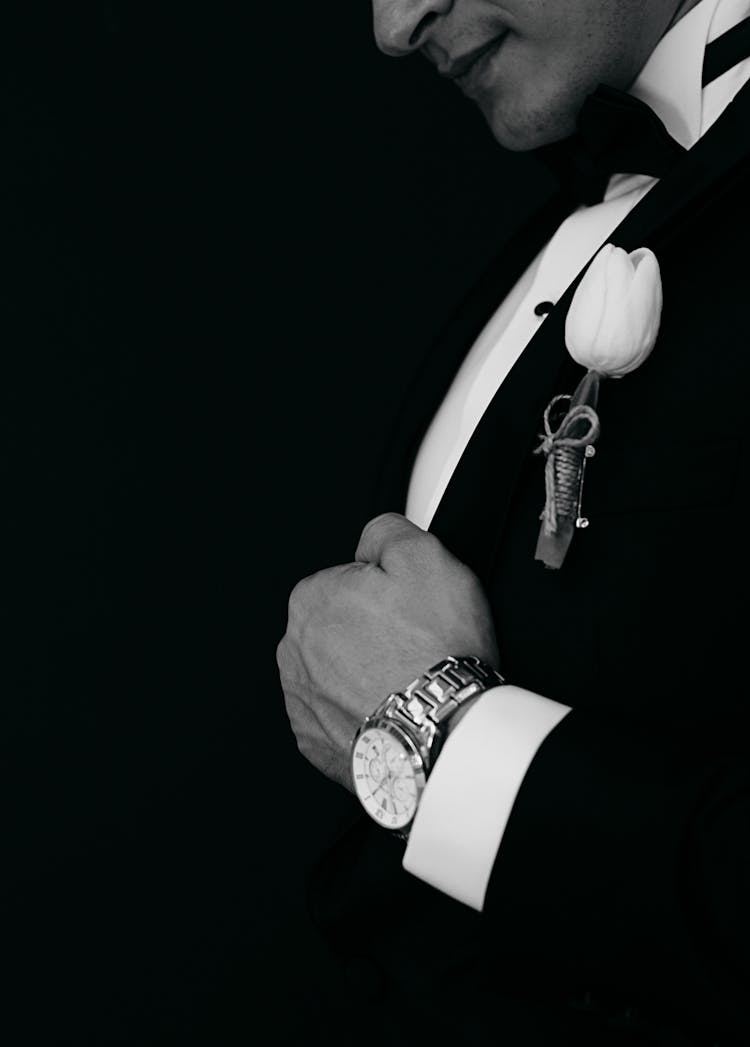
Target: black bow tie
<point x="619" y="134"/>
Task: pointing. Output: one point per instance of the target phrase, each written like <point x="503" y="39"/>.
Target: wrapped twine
<point x="565" y="448"/>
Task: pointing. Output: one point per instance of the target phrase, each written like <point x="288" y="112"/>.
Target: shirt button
<point x="543" y="308"/>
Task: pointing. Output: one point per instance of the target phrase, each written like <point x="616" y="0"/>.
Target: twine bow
<point x="564" y="448"/>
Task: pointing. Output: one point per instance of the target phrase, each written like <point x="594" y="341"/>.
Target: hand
<point x="359" y="631"/>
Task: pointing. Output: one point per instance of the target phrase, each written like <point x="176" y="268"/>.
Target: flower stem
<point x="587" y="391"/>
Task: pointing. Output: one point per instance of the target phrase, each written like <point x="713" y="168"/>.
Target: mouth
<point x="463" y="68"/>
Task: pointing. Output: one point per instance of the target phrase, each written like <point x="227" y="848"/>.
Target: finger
<point x="382" y="534"/>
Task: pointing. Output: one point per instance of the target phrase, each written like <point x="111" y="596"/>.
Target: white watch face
<point x="388" y="776"/>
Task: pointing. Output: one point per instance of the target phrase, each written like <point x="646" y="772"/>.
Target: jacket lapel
<point x="433" y="377"/>
<point x="472" y="513"/>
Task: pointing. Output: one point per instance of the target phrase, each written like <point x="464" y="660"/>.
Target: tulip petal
<point x="613" y="320"/>
<point x="645" y="300"/>
<point x="586" y="311"/>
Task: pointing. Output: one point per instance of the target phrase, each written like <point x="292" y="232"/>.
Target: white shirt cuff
<point x="471" y="790"/>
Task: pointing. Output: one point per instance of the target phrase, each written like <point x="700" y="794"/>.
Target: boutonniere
<point x="610" y="329"/>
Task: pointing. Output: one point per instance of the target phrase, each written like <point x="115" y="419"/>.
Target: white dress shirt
<point x="470" y="793"/>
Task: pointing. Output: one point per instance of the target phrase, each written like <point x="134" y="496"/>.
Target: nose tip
<point x="400" y="25"/>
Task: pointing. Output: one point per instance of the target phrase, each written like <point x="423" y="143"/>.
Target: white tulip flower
<point x="613" y="320"/>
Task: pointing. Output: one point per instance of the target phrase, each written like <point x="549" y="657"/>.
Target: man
<point x="584" y="827"/>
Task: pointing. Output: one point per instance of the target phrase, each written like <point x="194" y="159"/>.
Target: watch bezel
<point x="387" y="724"/>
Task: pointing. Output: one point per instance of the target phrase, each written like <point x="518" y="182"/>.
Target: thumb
<point x="384" y="533"/>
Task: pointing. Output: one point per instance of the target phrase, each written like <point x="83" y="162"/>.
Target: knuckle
<point x="298" y="595"/>
<point x="283" y="656"/>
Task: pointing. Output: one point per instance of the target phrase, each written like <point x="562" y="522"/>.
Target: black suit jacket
<point x="618" y="904"/>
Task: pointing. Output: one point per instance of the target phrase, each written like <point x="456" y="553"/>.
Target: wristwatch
<point x="397" y="745"/>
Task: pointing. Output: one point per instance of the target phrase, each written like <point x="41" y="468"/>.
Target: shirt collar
<point x="671" y="80"/>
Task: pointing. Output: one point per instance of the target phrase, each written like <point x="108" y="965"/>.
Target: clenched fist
<point x="362" y="630"/>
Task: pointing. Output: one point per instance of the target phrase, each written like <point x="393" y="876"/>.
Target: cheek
<point x="544" y="77"/>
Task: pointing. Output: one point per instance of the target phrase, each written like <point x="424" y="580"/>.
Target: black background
<point x="227" y="237"/>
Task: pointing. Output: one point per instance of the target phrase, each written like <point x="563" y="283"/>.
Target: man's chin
<point x="523" y="132"/>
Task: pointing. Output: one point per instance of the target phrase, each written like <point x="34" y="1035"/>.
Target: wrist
<point x="394" y="750"/>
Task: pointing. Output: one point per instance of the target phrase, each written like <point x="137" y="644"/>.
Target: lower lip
<point x="471" y="80"/>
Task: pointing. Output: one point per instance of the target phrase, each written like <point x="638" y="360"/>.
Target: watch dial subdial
<point x="405" y="792"/>
<point x="377" y="769"/>
<point x="397" y="761"/>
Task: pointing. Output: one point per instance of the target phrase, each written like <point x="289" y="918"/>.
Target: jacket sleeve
<point x="645" y="839"/>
